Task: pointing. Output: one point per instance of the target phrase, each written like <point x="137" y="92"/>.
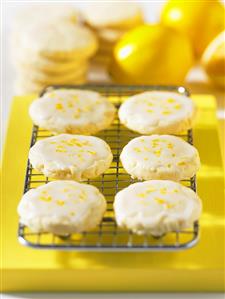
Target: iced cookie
<point x="66" y="156"/>
<point x="59" y="41"/>
<point x="23" y="86"/>
<point x="156" y="207"/>
<point x="44" y="13"/>
<point x="160" y="157"/>
<point x="158" y="112"/>
<point x="112" y="15"/>
<point x="48" y="79"/>
<point x="42" y="64"/>
<point x="72" y="111"/>
<point x="62" y="207"/>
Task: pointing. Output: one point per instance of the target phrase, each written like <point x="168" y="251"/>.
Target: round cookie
<point x="40" y="63"/>
<point x="72" y="111"/>
<point x="163" y="157"/>
<point x="23" y="86"/>
<point x="156" y="207"/>
<point x="66" y="156"/>
<point x="113" y="15"/>
<point x="47" y="79"/>
<point x="59" y="41"/>
<point x="158" y="112"/>
<point x="34" y="14"/>
<point x="110" y="35"/>
<point x="62" y="207"/>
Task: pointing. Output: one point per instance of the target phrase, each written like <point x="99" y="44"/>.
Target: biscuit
<point x="62" y="207"/>
<point x="72" y="111"/>
<point x="39" y="63"/>
<point x="110" y="35"/>
<point x="35" y="14"/>
<point x="162" y="157"/>
<point x="156" y="207"/>
<point x="23" y="86"/>
<point x="158" y="112"/>
<point x="112" y="15"/>
<point x="74" y="157"/>
<point x="47" y="79"/>
<point x="59" y="41"/>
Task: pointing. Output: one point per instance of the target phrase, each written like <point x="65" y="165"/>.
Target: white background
<point x="9" y="8"/>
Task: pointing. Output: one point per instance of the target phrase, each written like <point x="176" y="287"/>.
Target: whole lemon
<point x="200" y="20"/>
<point x="213" y="60"/>
<point x="152" y="54"/>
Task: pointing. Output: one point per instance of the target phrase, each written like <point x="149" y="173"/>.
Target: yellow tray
<point x="198" y="269"/>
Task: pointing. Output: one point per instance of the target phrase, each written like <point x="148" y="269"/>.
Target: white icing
<point x="156" y="207"/>
<point x="62" y="207"/>
<point x="160" y="157"/>
<point x="59" y="38"/>
<point x="71" y="110"/>
<point x="71" y="156"/>
<point x="157" y="112"/>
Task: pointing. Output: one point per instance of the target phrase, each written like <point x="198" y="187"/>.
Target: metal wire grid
<point x="108" y="237"/>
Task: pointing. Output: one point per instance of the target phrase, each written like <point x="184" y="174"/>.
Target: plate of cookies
<point x="111" y="168"/>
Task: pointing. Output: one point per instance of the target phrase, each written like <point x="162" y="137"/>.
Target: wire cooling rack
<point x="107" y="236"/>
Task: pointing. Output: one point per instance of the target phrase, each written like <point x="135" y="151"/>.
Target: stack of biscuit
<point x="50" y="47"/>
<point x="110" y="21"/>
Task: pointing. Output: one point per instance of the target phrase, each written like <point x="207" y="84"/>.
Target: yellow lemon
<point x="151" y="54"/>
<point x="201" y="20"/>
<point x="213" y="60"/>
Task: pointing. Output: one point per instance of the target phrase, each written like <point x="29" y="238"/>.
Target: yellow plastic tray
<point x="197" y="269"/>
